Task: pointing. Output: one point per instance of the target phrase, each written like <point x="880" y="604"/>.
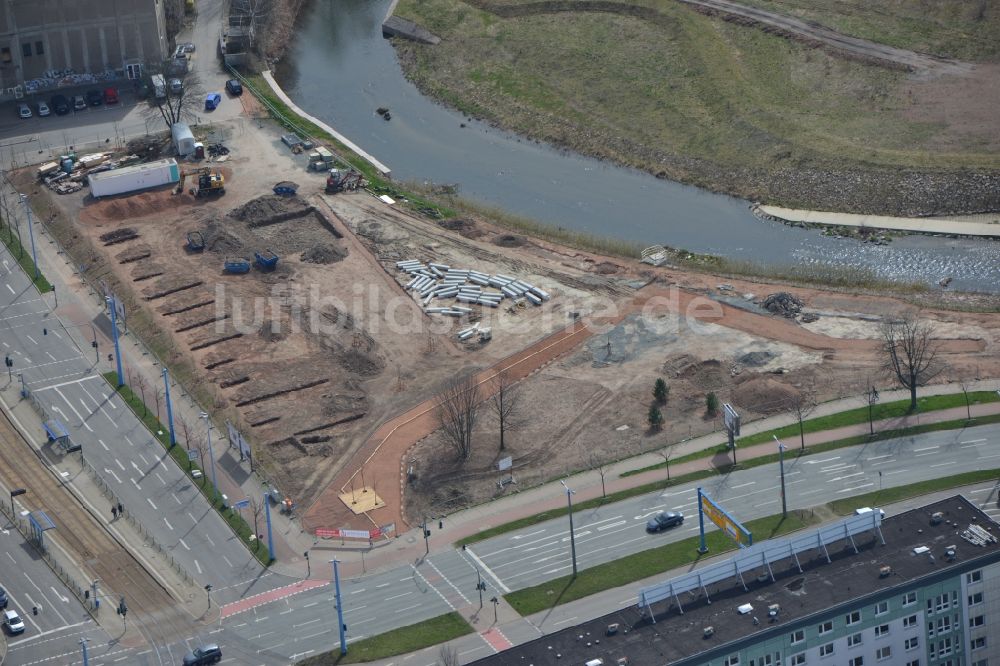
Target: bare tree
<point x="667" y="452"/>
<point x="142" y="385"/>
<point x="802" y="405"/>
<point x="175" y="107"/>
<point x="963" y="382"/>
<point x="910" y="354"/>
<point x="601" y="467"/>
<point x="185" y="429"/>
<point x="457" y="412"/>
<point x="158" y="397"/>
<point x="256" y="507"/>
<point x="505" y="403"/>
<point x="448" y="656"/>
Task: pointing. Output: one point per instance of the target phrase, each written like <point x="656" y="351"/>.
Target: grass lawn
<point x="398" y="641"/>
<point x="23" y="255"/>
<point x="646" y="563"/>
<point x="882" y="497"/>
<point x="161" y="433"/>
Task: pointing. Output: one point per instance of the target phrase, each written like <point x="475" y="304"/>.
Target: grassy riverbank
<point x="730" y="108"/>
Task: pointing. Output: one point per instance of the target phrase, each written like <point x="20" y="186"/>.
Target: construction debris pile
<point x="66" y="175"/>
<point x="468" y="287"/>
<point x="783" y="304"/>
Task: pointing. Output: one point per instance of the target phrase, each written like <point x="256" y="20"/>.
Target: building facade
<point x="921" y="588"/>
<point x="45" y="44"/>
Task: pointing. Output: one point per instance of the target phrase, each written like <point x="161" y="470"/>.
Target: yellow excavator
<point x="209" y="182"/>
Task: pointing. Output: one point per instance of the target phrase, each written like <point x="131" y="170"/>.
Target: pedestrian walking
<point x="114" y="512"/>
<point x="121" y="509"/>
<point x="45" y="331"/>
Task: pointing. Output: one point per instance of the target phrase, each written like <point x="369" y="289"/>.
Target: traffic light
<point x="122" y="608"/>
<point x="427" y="533"/>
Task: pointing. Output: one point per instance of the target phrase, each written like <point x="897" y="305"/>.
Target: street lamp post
<point x="208" y="592"/>
<point x="170" y="408"/>
<point x="113" y="303"/>
<point x="83" y="645"/>
<point x="572" y="537"/>
<point x="480" y="585"/>
<point x="308" y="565"/>
<point x="211" y="454"/>
<point x="496" y="604"/>
<point x="267" y="514"/>
<point x="31" y="233"/>
<point x="14" y="493"/>
<point x="340" y="607"/>
<point x="781" y="465"/>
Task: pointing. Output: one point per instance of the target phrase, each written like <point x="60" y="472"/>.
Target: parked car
<point x="79" y="103"/>
<point x="13" y="622"/>
<point x="60" y="104"/>
<point x="234" y="87"/>
<point x="664" y="520"/>
<point x="95" y="97"/>
<point x="212" y="101"/>
<point x="186" y="47"/>
<point x="111" y="95"/>
<point x="206" y="654"/>
<point x="24" y="110"/>
<point x="3" y="598"/>
<point x="43" y="109"/>
<point x="176" y="86"/>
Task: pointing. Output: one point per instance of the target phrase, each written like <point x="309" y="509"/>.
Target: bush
<point x="655" y="417"/>
<point x="661" y="391"/>
<point x="712" y="404"/>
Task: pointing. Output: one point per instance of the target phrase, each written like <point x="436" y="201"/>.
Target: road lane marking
<point x="608" y="527"/>
<point x="112" y="473"/>
<point x="525" y="536"/>
<point x="488" y="571"/>
<point x="570" y="619"/>
<point x="198" y="567"/>
<point x="927" y="448"/>
<point x="744" y="485"/>
<point x="11" y="289"/>
<point x="186" y="547"/>
<point x="151" y="504"/>
<point x="848" y="490"/>
<point x="83" y="420"/>
<point x="428" y="584"/>
<point x="101" y="442"/>
<point x="119" y="463"/>
<point x="952" y="462"/>
<point x="51" y="356"/>
<point x="135" y="483"/>
<point x="973" y="441"/>
<point x="59" y="386"/>
<point x="168" y="523"/>
<point x="888" y="455"/>
<point x="306" y="623"/>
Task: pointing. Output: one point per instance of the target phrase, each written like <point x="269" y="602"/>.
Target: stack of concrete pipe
<point x="469" y="287"/>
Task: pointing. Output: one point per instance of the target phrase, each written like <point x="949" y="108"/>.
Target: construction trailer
<point x="134" y="178"/>
<point x="183" y="138"/>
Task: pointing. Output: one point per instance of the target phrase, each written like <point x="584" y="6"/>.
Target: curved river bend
<point x="340" y="69"/>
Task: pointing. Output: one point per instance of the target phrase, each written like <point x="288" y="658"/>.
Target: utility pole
<point x="83" y="644"/>
<point x="113" y="302"/>
<point x="427" y="536"/>
<point x="781" y="465"/>
<point x="308" y="565"/>
<point x="340" y="607"/>
<point x="496" y="604"/>
<point x="267" y="515"/>
<point x="480" y="585"/>
<point x="572" y="536"/>
<point x="31" y="233"/>
<point x="170" y="408"/>
<point x="211" y="455"/>
<point x="208" y="591"/>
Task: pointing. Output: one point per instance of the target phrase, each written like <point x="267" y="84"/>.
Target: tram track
<point x="151" y="607"/>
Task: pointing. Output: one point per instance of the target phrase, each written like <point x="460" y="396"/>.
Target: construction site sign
<point x="722" y="520"/>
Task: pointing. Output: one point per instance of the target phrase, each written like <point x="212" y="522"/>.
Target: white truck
<point x="159" y="86"/>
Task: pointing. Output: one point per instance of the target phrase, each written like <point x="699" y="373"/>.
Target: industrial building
<point x="921" y="588"/>
<point x="46" y="44"/>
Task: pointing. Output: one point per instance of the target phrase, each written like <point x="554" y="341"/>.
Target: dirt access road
<point x="852" y="47"/>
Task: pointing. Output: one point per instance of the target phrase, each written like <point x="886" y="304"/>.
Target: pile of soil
<point x="360" y="362"/>
<point x="764" y="395"/>
<point x="323" y="254"/>
<point x="270" y="209"/>
<point x="509" y="240"/>
<point x="606" y="268"/>
<point x="458" y="225"/>
<point x="782" y="303"/>
<point x="707" y="375"/>
<point x="119" y="235"/>
<point x="756" y="359"/>
<point x="221" y="241"/>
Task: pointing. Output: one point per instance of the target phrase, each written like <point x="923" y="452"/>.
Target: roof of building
<point x="821" y="586"/>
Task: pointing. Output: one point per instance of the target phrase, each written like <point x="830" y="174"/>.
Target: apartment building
<point x="46" y="44"/>
<point x="918" y="589"/>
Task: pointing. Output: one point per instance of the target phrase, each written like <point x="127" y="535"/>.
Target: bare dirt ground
<point x="319" y="361"/>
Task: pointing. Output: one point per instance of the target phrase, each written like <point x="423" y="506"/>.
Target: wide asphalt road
<point x="121" y="451"/>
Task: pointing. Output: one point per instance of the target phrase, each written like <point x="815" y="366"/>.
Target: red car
<point x="110" y="95"/>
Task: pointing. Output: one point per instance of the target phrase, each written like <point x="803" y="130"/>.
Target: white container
<point x="182" y="138"/>
<point x="134" y="178"/>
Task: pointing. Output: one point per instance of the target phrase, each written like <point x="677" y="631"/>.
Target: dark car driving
<point x="206" y="654"/>
<point x="59" y="104"/>
<point x="664" y="520"/>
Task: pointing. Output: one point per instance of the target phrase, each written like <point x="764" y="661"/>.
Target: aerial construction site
<point x="324" y="325"/>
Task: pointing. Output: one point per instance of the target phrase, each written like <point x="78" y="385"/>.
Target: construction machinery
<point x="195" y="241"/>
<point x="236" y="265"/>
<point x="340" y="180"/>
<point x="266" y="260"/>
<point x="209" y="182"/>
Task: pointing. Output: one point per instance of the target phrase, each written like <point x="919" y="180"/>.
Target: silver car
<point x="24" y="110"/>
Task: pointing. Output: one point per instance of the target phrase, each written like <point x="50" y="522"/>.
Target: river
<point x="340" y="69"/>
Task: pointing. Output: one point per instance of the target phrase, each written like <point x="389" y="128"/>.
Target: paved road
<point x="155" y="492"/>
<point x="536" y="554"/>
<point x="446" y="580"/>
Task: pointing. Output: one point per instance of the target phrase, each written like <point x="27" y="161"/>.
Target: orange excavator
<point x="209" y="182"/>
